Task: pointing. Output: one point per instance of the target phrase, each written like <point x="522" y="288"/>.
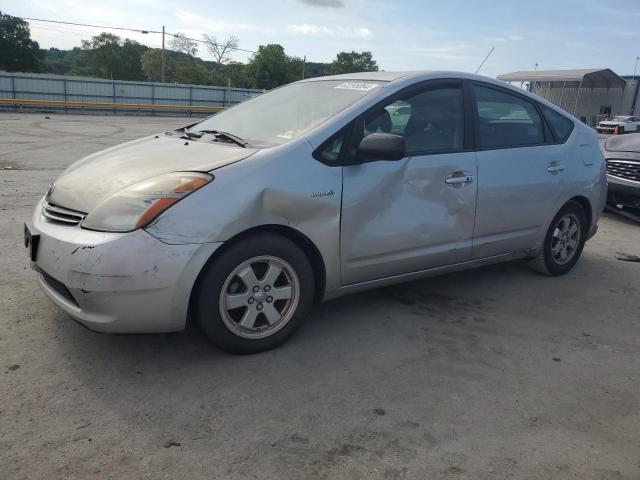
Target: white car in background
<point x="624" y="124"/>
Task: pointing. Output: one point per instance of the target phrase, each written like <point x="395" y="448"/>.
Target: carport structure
<point x="587" y="93"/>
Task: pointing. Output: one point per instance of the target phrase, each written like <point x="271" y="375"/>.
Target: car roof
<point x="405" y="76"/>
<point x="372" y="76"/>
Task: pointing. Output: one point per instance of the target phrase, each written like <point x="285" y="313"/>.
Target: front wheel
<point x="256" y="294"/>
<point x="563" y="242"/>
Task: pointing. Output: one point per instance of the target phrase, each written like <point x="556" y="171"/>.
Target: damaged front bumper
<point x="117" y="282"/>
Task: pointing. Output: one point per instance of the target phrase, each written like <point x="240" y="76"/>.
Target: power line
<point x="137" y="30"/>
<point x="209" y="43"/>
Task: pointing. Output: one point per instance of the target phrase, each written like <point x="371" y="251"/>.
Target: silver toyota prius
<point x="323" y="187"/>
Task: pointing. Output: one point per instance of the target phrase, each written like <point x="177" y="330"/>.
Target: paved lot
<point x="497" y="373"/>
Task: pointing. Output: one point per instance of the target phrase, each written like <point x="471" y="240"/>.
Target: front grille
<point x="58" y="287"/>
<point x="58" y="214"/>
<point x="625" y="169"/>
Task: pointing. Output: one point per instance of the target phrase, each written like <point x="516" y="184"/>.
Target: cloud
<point x="455" y="51"/>
<point x="507" y="38"/>
<point x="217" y="25"/>
<point x="324" y="3"/>
<point x="312" y="30"/>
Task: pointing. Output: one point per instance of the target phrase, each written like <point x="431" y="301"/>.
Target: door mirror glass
<point x="381" y="146"/>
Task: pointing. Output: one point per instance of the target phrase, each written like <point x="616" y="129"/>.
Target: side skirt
<point x="432" y="272"/>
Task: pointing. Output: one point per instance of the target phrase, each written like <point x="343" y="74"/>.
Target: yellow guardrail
<point x="22" y="102"/>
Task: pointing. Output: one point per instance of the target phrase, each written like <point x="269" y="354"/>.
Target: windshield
<point x="286" y="113"/>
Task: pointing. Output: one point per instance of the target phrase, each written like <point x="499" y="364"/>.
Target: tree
<point x="181" y="43"/>
<point x="233" y="74"/>
<point x="130" y="67"/>
<point x="114" y="58"/>
<point x="221" y="51"/>
<point x="352" y="62"/>
<point x="193" y="72"/>
<point x="64" y="62"/>
<point x="18" y="53"/>
<point x="152" y="65"/>
<point x="270" y="67"/>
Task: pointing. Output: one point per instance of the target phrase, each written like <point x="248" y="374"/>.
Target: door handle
<point x="555" y="168"/>
<point x="458" y="179"/>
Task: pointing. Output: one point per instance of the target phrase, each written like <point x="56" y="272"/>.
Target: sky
<point x="401" y="34"/>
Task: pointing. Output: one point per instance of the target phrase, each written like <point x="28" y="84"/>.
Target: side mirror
<point x="381" y="146"/>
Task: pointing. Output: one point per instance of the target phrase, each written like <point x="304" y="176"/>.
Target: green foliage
<point x="18" y="53"/>
<point x="114" y="58"/>
<point x="315" y="69"/>
<point x="233" y="74"/>
<point x="352" y="62"/>
<point x="193" y="72"/>
<point x="152" y="65"/>
<point x="270" y="67"/>
<point x="66" y="62"/>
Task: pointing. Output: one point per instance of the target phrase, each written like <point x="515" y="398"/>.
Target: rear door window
<point x="506" y="120"/>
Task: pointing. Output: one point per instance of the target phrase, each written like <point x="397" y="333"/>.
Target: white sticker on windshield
<point x="360" y="86"/>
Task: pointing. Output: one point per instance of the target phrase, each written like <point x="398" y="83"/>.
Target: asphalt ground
<point x="495" y="373"/>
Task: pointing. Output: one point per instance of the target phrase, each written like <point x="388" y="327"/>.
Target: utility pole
<point x="304" y="60"/>
<point x="162" y="57"/>
<point x="635" y="69"/>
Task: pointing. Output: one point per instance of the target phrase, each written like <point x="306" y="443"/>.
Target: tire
<point x="559" y="240"/>
<point x="244" y="305"/>
<point x="621" y="130"/>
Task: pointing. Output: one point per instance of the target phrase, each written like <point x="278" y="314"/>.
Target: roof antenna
<point x="485" y="59"/>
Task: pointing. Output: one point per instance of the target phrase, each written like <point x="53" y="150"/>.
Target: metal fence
<point x="76" y="89"/>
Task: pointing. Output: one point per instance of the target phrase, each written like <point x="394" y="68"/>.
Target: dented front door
<point x="405" y="216"/>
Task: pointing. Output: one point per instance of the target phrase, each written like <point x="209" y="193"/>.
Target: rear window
<point x="561" y="126"/>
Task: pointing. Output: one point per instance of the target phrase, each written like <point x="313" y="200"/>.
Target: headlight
<point x="138" y="205"/>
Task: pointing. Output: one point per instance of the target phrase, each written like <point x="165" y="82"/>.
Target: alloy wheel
<point x="565" y="239"/>
<point x="259" y="297"/>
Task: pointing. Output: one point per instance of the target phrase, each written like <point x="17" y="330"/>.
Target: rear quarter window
<point x="560" y="126"/>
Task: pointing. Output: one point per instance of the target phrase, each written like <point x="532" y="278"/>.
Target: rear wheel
<point x="563" y="242"/>
<point x="256" y="294"/>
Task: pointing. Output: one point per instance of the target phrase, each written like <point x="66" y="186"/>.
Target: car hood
<point x="623" y="143"/>
<point x="609" y="123"/>
<point x="91" y="180"/>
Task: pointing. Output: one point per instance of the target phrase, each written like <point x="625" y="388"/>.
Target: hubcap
<point x="259" y="297"/>
<point x="565" y="239"/>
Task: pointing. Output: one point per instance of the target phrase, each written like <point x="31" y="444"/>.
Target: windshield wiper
<point x="190" y="135"/>
<point x="226" y="135"/>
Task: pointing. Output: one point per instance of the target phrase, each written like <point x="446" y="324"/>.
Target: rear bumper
<point x="117" y="283"/>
